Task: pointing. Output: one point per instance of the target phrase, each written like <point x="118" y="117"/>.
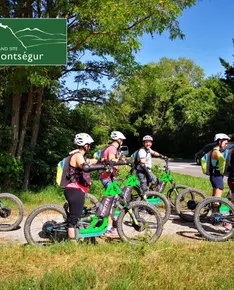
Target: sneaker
<point x="227" y="226"/>
<point x="111" y="233"/>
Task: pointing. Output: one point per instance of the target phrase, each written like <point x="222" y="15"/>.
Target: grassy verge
<point x="164" y="265"/>
<point x="168" y="264"/>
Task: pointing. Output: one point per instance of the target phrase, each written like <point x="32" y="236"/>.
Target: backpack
<point x="62" y="176"/>
<point x="136" y="157"/>
<point x="223" y="162"/>
<point x="99" y="154"/>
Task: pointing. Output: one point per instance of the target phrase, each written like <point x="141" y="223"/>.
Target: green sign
<point x="33" y="41"/>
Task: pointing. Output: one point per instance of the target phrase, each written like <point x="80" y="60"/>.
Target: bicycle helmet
<point x="147" y="138"/>
<point x="82" y="138"/>
<point x="221" y="136"/>
<point x="115" y="135"/>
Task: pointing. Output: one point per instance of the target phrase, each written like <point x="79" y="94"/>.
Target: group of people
<point x="80" y="166"/>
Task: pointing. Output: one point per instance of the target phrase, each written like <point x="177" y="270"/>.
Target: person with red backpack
<point x="144" y="164"/>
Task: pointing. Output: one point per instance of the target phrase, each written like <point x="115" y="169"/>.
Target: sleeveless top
<point x="79" y="179"/>
<point x="215" y="166"/>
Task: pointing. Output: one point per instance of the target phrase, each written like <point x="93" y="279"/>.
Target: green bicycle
<point x="137" y="221"/>
<point x="171" y="194"/>
<point x="132" y="188"/>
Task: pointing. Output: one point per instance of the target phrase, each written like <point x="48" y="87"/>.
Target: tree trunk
<point x="24" y="123"/>
<point x="34" y="136"/>
<point x="16" y="101"/>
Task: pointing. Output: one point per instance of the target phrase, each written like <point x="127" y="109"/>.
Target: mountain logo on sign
<point x="26" y="38"/>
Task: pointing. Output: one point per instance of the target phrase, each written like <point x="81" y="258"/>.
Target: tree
<point x="106" y="30"/>
<point x="168" y="100"/>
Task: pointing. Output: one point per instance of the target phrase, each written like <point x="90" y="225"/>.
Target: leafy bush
<point x="10" y="170"/>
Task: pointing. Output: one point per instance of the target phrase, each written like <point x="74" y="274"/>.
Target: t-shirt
<point x="110" y="150"/>
<point x="146" y="154"/>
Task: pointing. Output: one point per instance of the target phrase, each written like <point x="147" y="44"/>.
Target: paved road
<point x="183" y="166"/>
<point x="188" y="167"/>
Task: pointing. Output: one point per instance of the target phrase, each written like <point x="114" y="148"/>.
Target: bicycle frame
<point x="93" y="230"/>
<point x="167" y="175"/>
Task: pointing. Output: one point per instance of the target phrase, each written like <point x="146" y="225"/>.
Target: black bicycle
<point x="214" y="219"/>
<point x="11" y="212"/>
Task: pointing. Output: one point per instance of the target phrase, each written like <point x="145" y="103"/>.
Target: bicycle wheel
<point x="149" y="227"/>
<point x="174" y="192"/>
<point x="215" y="224"/>
<point x="11" y="211"/>
<point x="45" y="225"/>
<point x="187" y="201"/>
<point x="161" y="202"/>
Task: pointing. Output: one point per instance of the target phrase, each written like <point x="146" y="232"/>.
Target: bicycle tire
<point x="183" y="210"/>
<point x="166" y="205"/>
<point x="28" y="230"/>
<point x="204" y="224"/>
<point x="152" y="211"/>
<point x="174" y="190"/>
<point x="5" y="225"/>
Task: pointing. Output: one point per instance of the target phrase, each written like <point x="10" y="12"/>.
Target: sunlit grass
<point x="171" y="263"/>
<point x="163" y="265"/>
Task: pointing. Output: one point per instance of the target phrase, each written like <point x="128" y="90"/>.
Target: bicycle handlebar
<point x="116" y="163"/>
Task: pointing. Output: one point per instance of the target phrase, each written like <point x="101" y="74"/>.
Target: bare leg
<point x="71" y="233"/>
<point x="218" y="193"/>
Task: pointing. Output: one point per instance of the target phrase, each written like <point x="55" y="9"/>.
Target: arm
<point x="91" y="161"/>
<point x="216" y="154"/>
<point x="112" y="157"/>
<point x="157" y="154"/>
<point x="77" y="160"/>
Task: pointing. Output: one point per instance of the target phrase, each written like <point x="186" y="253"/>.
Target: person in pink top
<point x="111" y="153"/>
<point x="79" y="181"/>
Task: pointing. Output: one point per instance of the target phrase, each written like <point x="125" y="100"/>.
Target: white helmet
<point x="115" y="135"/>
<point x="82" y="138"/>
<point x="221" y="136"/>
<point x="147" y="138"/>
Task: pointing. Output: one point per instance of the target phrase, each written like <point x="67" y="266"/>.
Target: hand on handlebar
<point x="164" y="157"/>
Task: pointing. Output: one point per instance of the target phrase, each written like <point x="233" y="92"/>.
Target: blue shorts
<point x="217" y="181"/>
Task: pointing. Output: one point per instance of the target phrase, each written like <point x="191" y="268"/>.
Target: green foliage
<point x="12" y="168"/>
<point x="164" y="99"/>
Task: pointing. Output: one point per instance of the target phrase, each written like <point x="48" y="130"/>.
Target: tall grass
<point x="163" y="265"/>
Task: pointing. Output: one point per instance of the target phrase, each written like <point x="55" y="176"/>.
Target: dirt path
<point x="175" y="227"/>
